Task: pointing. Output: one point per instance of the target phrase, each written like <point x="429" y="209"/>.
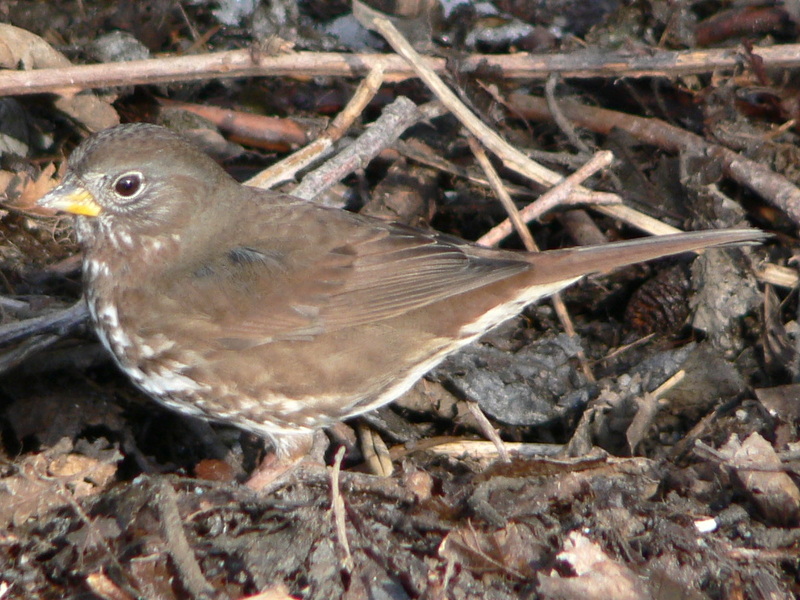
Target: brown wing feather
<point x="393" y="275"/>
<point x="376" y="271"/>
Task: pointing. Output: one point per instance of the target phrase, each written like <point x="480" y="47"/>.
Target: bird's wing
<point x="262" y="291"/>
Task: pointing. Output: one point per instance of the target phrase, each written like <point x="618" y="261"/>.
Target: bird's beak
<point x="70" y="196"/>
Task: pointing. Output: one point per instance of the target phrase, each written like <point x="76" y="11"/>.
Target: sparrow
<point x="278" y="315"/>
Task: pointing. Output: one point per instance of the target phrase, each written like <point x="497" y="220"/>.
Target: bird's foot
<point x="293" y="455"/>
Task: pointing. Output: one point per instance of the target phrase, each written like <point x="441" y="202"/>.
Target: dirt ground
<point x="650" y="418"/>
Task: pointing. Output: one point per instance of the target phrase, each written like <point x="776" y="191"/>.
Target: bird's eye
<point x="128" y="185"/>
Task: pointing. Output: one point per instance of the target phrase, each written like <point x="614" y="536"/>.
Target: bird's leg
<point x="290" y="452"/>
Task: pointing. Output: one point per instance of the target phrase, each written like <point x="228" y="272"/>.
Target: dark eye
<point x="128" y="185"/>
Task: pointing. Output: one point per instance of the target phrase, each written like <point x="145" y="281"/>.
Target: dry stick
<point x="411" y="149"/>
<point x="248" y="63"/>
<point x="647" y="409"/>
<point x="560" y="120"/>
<point x="259" y="130"/>
<point x="560" y="194"/>
<point x="105" y="587"/>
<point x="771" y="186"/>
<point x="395" y="119"/>
<point x="31" y="346"/>
<point x="38" y="333"/>
<point x="669" y="384"/>
<point x="286" y="169"/>
<point x="581" y="227"/>
<point x="584" y="197"/>
<point x="637" y="219"/>
<point x="503" y="195"/>
<point x="777" y="275"/>
<point x="488" y="430"/>
<point x="58" y="322"/>
<point x="337" y="508"/>
<point x="178" y="546"/>
<point x="456" y="446"/>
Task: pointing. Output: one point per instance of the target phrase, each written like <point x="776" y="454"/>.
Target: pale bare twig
<point x="286" y="169"/>
<point x="395" y="119"/>
<point x="247" y="63"/>
<point x="563" y="123"/>
<point x="502" y="194"/>
<point x="488" y="430"/>
<point x="559" y="194"/>
<point x="338" y="511"/>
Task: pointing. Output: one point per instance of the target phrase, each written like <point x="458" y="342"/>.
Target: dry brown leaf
<point x="48" y="481"/>
<point x="512" y="550"/>
<point x="761" y="474"/>
<point x="598" y="575"/>
<point x="20" y="191"/>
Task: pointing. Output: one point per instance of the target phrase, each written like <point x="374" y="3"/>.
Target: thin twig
<point x="669" y="384"/>
<point x="58" y="322"/>
<point x="488" y="430"/>
<point x="778" y="275"/>
<point x="178" y="546"/>
<point x="261" y="131"/>
<point x="581" y="227"/>
<point x="580" y="196"/>
<point x="560" y="194"/>
<point x="502" y="194"/>
<point x="337" y="508"/>
<point x="38" y="333"/>
<point x="773" y="187"/>
<point x="246" y="63"/>
<point x="569" y="329"/>
<point x="395" y="119"/>
<point x="459" y="447"/>
<point x="636" y="219"/>
<point x="286" y="169"/>
<point x="648" y="406"/>
<point x="558" y="117"/>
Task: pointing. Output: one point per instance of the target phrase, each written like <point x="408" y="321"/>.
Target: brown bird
<point x="278" y="315"/>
